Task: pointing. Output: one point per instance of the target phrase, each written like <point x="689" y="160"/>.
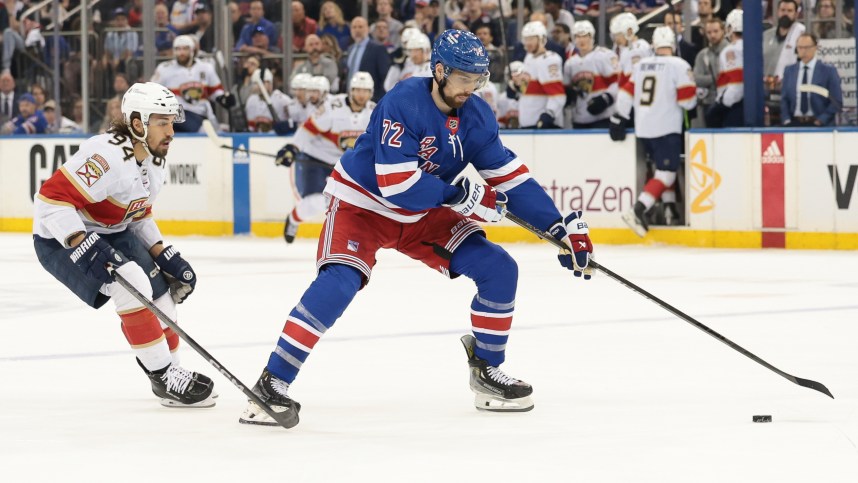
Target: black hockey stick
<point x="211" y="133"/>
<point x="284" y="419"/>
<point x="816" y="386"/>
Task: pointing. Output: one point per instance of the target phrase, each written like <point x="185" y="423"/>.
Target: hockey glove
<point x="478" y="201"/>
<point x="226" y="100"/>
<point x="598" y="104"/>
<point x="715" y="114"/>
<point x="285" y="128"/>
<point x="286" y="156"/>
<point x="92" y="256"/>
<point x="546" y="121"/>
<point x="618" y="127"/>
<point x="574" y="232"/>
<point x="179" y="273"/>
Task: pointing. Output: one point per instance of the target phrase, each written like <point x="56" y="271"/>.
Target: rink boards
<point x="743" y="188"/>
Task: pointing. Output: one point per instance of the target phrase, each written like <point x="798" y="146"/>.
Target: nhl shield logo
<point x="453" y="124"/>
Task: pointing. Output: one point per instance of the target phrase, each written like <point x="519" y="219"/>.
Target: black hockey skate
<point x="272" y="391"/>
<point x="180" y="388"/>
<point x="636" y="219"/>
<point x="494" y="390"/>
<point x="290" y="230"/>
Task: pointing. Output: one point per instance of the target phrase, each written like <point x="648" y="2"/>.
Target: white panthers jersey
<point x="298" y="112"/>
<point x="101" y="188"/>
<point x="332" y="129"/>
<point x="661" y="89"/>
<point x="631" y="55"/>
<point x="259" y="116"/>
<point x="193" y="85"/>
<point x="731" y="89"/>
<point x="409" y="69"/>
<point x="591" y="75"/>
<point x="544" y="92"/>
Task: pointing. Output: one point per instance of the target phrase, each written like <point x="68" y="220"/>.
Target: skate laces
<point x="279" y="386"/>
<point x="177" y="379"/>
<point x="498" y="376"/>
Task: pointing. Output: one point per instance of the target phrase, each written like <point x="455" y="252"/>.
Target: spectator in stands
<point x="384" y="9"/>
<point x="473" y="15"/>
<point x="331" y="21"/>
<point x="8" y="97"/>
<point x="366" y="55"/>
<point x="251" y="64"/>
<point x="561" y="34"/>
<point x="380" y="32"/>
<point x="29" y="119"/>
<point x="14" y="42"/>
<point x="589" y="9"/>
<point x="67" y="126"/>
<point x="120" y="84"/>
<point x="302" y="26"/>
<point x="811" y="94"/>
<point x="706" y="67"/>
<point x="779" y="41"/>
<point x="200" y="27"/>
<point x="165" y="33"/>
<point x="426" y="15"/>
<point x="824" y="26"/>
<point x="496" y="64"/>
<point x="318" y="64"/>
<point x="120" y="43"/>
<point x="684" y="49"/>
<point x="259" y="43"/>
<point x="331" y="49"/>
<point x="512" y="20"/>
<point x="698" y="26"/>
<point x="257" y="23"/>
<point x="39" y="95"/>
<point x="555" y="14"/>
<point x="237" y="20"/>
<point x="182" y="14"/>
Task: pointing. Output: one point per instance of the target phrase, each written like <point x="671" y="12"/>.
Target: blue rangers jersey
<point x="411" y="152"/>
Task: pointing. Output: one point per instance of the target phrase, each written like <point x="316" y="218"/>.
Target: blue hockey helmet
<point x="458" y="49"/>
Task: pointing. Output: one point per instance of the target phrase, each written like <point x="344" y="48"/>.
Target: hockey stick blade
<point x="816" y="386"/>
<point x="286" y="419"/>
<point x="211" y="133"/>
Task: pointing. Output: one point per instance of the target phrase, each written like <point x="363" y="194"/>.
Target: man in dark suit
<point x="810" y="93"/>
<point x="8" y="97"/>
<point x="367" y="56"/>
<point x="684" y="49"/>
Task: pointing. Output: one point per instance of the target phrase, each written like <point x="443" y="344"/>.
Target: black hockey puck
<point x="762" y="419"/>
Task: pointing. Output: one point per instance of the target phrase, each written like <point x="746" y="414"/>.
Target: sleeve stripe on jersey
<point x="734" y="76"/>
<point x="535" y="88"/>
<point x="684" y="93"/>
<point x="212" y="89"/>
<point x="63" y="189"/>
<point x="629" y="87"/>
<point x="603" y="82"/>
<point x="53" y="202"/>
<point x="397" y="182"/>
<point x="310" y="126"/>
<point x="507" y="177"/>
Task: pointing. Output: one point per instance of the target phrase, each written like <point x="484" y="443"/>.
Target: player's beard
<point x="450" y="100"/>
<point x="159" y="150"/>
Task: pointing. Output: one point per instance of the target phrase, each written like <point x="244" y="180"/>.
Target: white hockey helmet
<point x="584" y="27"/>
<point x="534" y="29"/>
<point x="663" y="37"/>
<point x="734" y="21"/>
<point x="319" y="83"/>
<point x="407" y="33"/>
<point x="418" y="41"/>
<point x="147" y="98"/>
<point x="622" y="23"/>
<point x="516" y="67"/>
<point x="267" y="75"/>
<point x="185" y="41"/>
<point x="362" y="80"/>
<point x="300" y="81"/>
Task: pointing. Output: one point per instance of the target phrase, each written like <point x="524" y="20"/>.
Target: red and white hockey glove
<point x="574" y="232"/>
<point x="479" y="202"/>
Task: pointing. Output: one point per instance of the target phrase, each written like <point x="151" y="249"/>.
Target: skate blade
<point x="209" y="402"/>
<point x="633" y="223"/>
<point x="253" y="414"/>
<point x="499" y="405"/>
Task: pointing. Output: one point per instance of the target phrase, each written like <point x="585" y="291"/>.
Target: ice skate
<point x="494" y="390"/>
<point x="272" y="391"/>
<point x="180" y="388"/>
<point x="671" y="215"/>
<point x="636" y="219"/>
<point x="290" y="230"/>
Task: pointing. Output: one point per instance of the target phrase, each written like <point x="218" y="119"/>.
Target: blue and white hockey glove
<point x="181" y="276"/>
<point x="92" y="256"/>
<point x="478" y="202"/>
<point x="574" y="232"/>
<point x="286" y="155"/>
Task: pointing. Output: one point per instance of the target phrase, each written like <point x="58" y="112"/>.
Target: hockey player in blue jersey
<point x="401" y="188"/>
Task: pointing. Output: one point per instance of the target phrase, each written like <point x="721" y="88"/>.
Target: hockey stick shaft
<point x="194" y="345"/>
<point x="817" y="386"/>
<point x="211" y="133"/>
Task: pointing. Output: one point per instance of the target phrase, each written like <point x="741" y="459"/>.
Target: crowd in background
<point x="332" y="40"/>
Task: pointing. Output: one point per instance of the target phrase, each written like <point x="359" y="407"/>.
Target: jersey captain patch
<point x="89" y="172"/>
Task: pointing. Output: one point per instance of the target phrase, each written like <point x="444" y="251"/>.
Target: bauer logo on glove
<point x="573" y="231"/>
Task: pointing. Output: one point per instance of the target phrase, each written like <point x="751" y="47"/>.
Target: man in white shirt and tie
<point x="811" y="93"/>
<point x="8" y="100"/>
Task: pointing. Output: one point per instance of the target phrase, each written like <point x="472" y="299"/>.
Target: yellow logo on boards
<point x="704" y="179"/>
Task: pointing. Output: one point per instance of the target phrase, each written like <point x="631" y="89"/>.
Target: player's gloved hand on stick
<point x="546" y="121"/>
<point x="618" y="127"/>
<point x="286" y="156"/>
<point x="182" y="278"/>
<point x="285" y="128"/>
<point x="92" y="256"/>
<point x="226" y="100"/>
<point x="574" y="232"/>
<point x="598" y="104"/>
<point x="478" y="201"/>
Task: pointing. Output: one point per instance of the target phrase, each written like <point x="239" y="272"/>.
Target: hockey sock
<point x="496" y="276"/>
<point x="653" y="189"/>
<point x="168" y="306"/>
<point x="147" y="339"/>
<point x="321" y="305"/>
<point x="310" y="206"/>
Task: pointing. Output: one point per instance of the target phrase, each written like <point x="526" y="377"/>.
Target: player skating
<point x="400" y="188"/>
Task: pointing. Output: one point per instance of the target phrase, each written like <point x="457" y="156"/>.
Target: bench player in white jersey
<point x="661" y="90"/>
<point x="331" y="130"/>
<point x="298" y="108"/>
<point x="259" y="115"/>
<point x="417" y="48"/>
<point x="728" y="108"/>
<point x="97" y="210"/>
<point x="591" y="80"/>
<point x="540" y="105"/>
<point x="624" y="29"/>
<point x="194" y="83"/>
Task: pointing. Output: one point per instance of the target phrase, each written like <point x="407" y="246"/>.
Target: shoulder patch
<point x="89" y="172"/>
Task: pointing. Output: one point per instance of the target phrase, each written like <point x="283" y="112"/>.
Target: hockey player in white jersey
<point x="728" y="108"/>
<point x="260" y="117"/>
<point x="417" y="48"/>
<point x="331" y="130"/>
<point x="661" y="89"/>
<point x="194" y="83"/>
<point x="298" y="107"/>
<point x="540" y="105"/>
<point x="591" y="79"/>
<point x="96" y="210"/>
<point x="629" y="48"/>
